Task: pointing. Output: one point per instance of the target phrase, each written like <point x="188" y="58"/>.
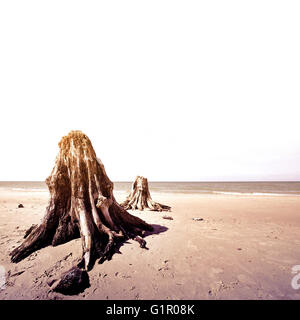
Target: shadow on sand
<point x="71" y="283"/>
<point x="157" y="229"/>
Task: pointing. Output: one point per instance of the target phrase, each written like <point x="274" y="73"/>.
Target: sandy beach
<point x="244" y="248"/>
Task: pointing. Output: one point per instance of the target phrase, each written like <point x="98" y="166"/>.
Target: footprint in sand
<point x="165" y="270"/>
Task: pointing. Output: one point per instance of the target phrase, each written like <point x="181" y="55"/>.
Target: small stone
<point x="168" y="218"/>
<point x="72" y="282"/>
<point x="239" y="249"/>
<point x="198" y="219"/>
<point x="20" y="205"/>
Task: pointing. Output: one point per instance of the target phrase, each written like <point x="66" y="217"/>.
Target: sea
<point x="257" y="188"/>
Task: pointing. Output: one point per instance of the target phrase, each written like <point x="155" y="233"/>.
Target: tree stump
<point x="140" y="199"/>
<point x="81" y="204"/>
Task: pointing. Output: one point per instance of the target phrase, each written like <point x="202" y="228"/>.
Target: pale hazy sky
<point x="172" y="90"/>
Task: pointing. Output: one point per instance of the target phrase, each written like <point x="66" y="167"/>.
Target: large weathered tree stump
<point x="140" y="199"/>
<point x="81" y="204"/>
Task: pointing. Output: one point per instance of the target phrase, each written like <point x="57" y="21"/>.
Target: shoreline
<point x="168" y="193"/>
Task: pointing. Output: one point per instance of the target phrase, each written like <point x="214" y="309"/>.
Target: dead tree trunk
<point x="81" y="204"/>
<point x="140" y="199"/>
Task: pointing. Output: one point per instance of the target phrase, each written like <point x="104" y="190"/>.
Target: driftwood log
<point x="140" y="198"/>
<point x="82" y="204"/>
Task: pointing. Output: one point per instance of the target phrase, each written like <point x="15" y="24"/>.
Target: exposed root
<point x="141" y="241"/>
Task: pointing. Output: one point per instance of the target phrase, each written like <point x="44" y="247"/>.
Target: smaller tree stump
<point x="140" y="199"/>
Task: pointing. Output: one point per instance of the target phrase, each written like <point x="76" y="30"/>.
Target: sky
<point x="171" y="90"/>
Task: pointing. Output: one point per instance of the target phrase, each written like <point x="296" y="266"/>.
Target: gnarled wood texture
<point x="140" y="199"/>
<point x="81" y="204"/>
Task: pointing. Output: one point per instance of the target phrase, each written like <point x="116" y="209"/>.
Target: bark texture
<point x="140" y="198"/>
<point x="81" y="204"/>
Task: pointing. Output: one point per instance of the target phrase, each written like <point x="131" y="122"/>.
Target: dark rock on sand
<point x="167" y="218"/>
<point x="20" y="205"/>
<point x="72" y="282"/>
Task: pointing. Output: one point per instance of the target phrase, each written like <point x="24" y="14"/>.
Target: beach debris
<point x="168" y="218"/>
<point x="82" y="204"/>
<point x="15" y="274"/>
<point x="20" y="205"/>
<point x="198" y="219"/>
<point x="140" y="198"/>
<point x="71" y="282"/>
<point x="163" y="268"/>
<point x="239" y="249"/>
